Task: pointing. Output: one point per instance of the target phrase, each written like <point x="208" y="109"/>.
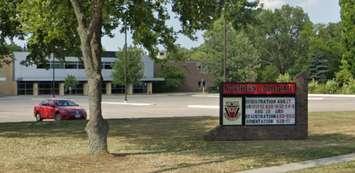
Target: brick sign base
<point x="297" y="131"/>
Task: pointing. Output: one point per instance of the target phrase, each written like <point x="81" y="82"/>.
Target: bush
<point x="312" y="86"/>
<point x="344" y="77"/>
<point x="174" y="77"/>
<point x="284" y="78"/>
<point x="70" y="82"/>
<point x="320" y="89"/>
<point x="348" y="88"/>
<point x="331" y="87"/>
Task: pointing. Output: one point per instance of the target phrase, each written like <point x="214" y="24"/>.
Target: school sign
<point x="262" y="111"/>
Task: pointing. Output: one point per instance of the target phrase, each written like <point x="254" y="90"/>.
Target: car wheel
<point x="57" y="117"/>
<point x="38" y="117"/>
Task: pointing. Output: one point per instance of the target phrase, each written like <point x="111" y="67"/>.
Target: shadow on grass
<point x="43" y="129"/>
<point x="184" y="135"/>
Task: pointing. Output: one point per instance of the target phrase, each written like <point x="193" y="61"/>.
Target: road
<point x="19" y="108"/>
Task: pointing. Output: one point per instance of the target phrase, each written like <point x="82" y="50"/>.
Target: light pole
<point x="125" y="62"/>
<point x="225" y="51"/>
<point x="53" y="76"/>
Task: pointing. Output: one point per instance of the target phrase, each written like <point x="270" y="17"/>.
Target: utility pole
<point x="53" y="76"/>
<point x="125" y="62"/>
<point x="225" y="50"/>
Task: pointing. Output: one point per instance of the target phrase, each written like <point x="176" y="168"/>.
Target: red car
<point x="58" y="109"/>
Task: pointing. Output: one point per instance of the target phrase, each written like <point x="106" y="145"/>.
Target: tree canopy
<point x="10" y="26"/>
<point x="70" y="82"/>
<point x="282" y="38"/>
<point x="243" y="57"/>
<point x="134" y="66"/>
<point x="325" y="51"/>
<point x="348" y="31"/>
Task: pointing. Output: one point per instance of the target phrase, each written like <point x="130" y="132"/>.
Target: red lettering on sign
<point x="230" y="88"/>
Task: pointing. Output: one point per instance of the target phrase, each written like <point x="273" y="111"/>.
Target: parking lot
<point x="20" y="108"/>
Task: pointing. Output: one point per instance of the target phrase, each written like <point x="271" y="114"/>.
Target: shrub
<point x="321" y="89"/>
<point x="284" y="78"/>
<point x="348" y="88"/>
<point x="312" y="86"/>
<point x="70" y="82"/>
<point x="174" y="77"/>
<point x="331" y="87"/>
<point x="344" y="77"/>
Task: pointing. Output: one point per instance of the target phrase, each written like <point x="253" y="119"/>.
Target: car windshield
<point x="65" y="103"/>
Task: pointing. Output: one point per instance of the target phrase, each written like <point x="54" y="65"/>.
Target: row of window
<point x="45" y="88"/>
<point x="71" y="65"/>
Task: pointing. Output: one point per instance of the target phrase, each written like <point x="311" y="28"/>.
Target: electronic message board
<point x="258" y="104"/>
<point x="269" y="110"/>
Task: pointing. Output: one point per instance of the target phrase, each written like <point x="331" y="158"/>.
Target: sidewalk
<point x="304" y="165"/>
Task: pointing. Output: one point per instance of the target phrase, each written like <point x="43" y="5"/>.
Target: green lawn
<point x="164" y="145"/>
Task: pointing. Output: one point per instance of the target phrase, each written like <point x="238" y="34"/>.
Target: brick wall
<point x="193" y="74"/>
<point x="9" y="86"/>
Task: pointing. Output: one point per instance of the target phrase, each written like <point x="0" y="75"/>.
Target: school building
<point x="18" y="79"/>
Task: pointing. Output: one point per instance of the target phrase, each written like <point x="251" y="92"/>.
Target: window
<point x="65" y="103"/>
<point x="50" y="65"/>
<point x="57" y="65"/>
<point x="43" y="66"/>
<point x="24" y="88"/>
<point x="81" y="65"/>
<point x="71" y="65"/>
<point x="107" y="65"/>
<point x="44" y="102"/>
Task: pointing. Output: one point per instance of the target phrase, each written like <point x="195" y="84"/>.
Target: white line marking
<point x="203" y="106"/>
<point x="330" y="95"/>
<point x="131" y="104"/>
<point x="315" y="98"/>
<point x="205" y="95"/>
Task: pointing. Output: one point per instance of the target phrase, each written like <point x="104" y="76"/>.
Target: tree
<point x="60" y="27"/>
<point x="319" y="69"/>
<point x="10" y="27"/>
<point x="173" y="75"/>
<point x="178" y="54"/>
<point x="325" y="51"/>
<point x="134" y="66"/>
<point x="243" y="57"/>
<point x="281" y="37"/>
<point x="70" y="82"/>
<point x="348" y="30"/>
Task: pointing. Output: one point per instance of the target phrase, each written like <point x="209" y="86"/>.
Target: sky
<point x="319" y="11"/>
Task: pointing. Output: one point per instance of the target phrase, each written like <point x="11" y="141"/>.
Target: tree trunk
<point x="97" y="127"/>
<point x="90" y="43"/>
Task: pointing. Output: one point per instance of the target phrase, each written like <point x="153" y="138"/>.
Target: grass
<point x="164" y="145"/>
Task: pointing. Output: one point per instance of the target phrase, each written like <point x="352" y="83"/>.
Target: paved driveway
<point x="19" y="108"/>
